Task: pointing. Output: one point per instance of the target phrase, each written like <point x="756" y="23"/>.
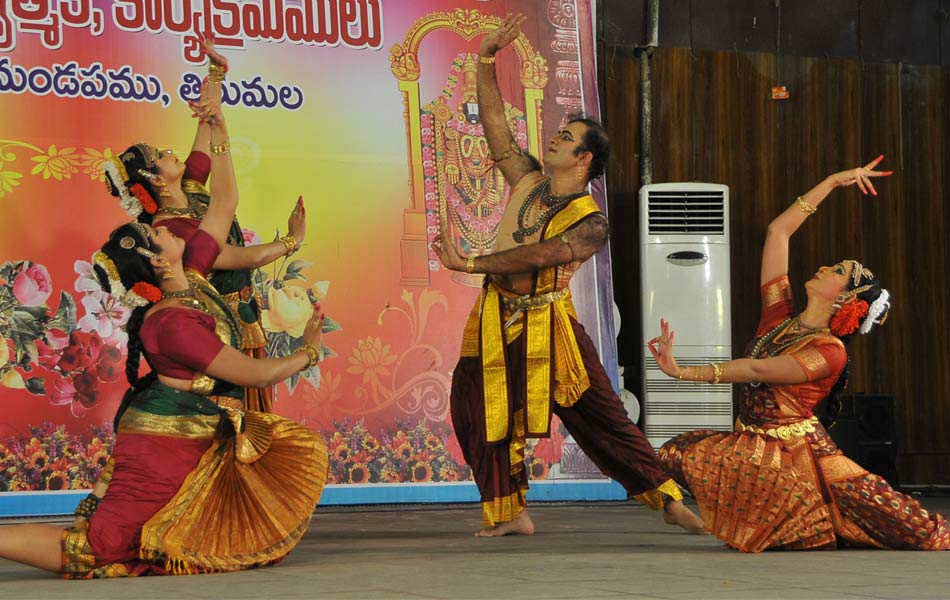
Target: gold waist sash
<point x="782" y="432"/>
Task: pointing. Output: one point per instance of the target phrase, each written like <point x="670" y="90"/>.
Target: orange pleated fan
<point x="751" y="497"/>
<point x="247" y="503"/>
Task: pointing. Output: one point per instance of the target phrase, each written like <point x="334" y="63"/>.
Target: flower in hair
<point x="145" y="199"/>
<point x="848" y="318"/>
<point x="147" y="291"/>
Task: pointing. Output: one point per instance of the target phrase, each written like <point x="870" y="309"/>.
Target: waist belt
<point x="782" y="432"/>
<point x="529" y="302"/>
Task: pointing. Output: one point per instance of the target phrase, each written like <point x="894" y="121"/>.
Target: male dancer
<point x="523" y="352"/>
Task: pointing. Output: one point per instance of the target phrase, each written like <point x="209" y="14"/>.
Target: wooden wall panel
<point x="714" y="121"/>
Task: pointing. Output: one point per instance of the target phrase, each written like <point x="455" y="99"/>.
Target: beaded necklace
<point x="774" y="334"/>
<point x="541" y="192"/>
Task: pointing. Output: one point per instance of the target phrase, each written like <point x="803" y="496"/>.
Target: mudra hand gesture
<point x="661" y="347"/>
<point x="861" y="176"/>
<point x="448" y="254"/>
<point x="297" y="223"/>
<point x="506" y="33"/>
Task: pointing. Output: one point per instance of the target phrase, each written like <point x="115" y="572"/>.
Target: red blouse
<point x="180" y="342"/>
<point x="822" y="357"/>
<point x="197" y="168"/>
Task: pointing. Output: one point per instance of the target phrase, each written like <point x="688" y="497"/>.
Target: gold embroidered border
<point x="494" y="370"/>
<point x="196" y="427"/>
<point x="502" y="510"/>
<point x="517" y="444"/>
<point x="654" y="498"/>
<point x="78" y="561"/>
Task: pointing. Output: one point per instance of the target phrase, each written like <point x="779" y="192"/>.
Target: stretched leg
<point x="498" y="469"/>
<point x="600" y="425"/>
<point x="37" y="545"/>
<point x="889" y="517"/>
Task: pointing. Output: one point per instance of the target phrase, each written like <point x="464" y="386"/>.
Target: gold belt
<point x="782" y="432"/>
<point x="528" y="302"/>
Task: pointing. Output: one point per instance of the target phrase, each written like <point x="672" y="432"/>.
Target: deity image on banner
<point x="454" y="186"/>
<point x="470" y="191"/>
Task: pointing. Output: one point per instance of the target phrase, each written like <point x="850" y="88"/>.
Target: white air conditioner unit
<point x="684" y="270"/>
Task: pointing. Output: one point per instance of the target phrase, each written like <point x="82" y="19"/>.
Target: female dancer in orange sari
<point x="198" y="484"/>
<point x="778" y="480"/>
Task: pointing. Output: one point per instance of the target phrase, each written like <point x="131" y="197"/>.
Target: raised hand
<point x="297" y="223"/>
<point x="313" y="330"/>
<point x="506" y="33"/>
<point x="661" y="347"/>
<point x="207" y="46"/>
<point x="861" y="176"/>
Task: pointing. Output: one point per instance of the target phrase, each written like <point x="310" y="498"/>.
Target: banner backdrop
<point x="366" y="108"/>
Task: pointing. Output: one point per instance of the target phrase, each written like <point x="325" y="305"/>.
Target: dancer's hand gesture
<point x="207" y="46"/>
<point x="448" y="254"/>
<point x="506" y="33"/>
<point x="297" y="223"/>
<point x="861" y="176"/>
<point x="661" y="347"/>
<point x="313" y="330"/>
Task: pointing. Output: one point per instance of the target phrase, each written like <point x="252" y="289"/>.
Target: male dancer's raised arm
<point x="510" y="157"/>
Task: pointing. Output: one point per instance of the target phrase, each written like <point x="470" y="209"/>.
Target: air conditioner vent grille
<point x="686" y="213"/>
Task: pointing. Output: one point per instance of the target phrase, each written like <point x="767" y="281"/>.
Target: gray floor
<point x="611" y="550"/>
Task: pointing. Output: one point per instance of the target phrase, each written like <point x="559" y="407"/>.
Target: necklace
<point x="188" y="297"/>
<point x="542" y="193"/>
<point x="777" y="336"/>
<point x="195" y="210"/>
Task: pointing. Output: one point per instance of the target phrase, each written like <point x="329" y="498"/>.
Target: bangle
<point x="313" y="356"/>
<point x="717" y="372"/>
<point x="470" y="265"/>
<point x="222" y="148"/>
<point x="290" y="242"/>
<point x="216" y="73"/>
<point x="87" y="506"/>
<point x="685" y="374"/>
<point x="486" y="60"/>
<point x="805" y="207"/>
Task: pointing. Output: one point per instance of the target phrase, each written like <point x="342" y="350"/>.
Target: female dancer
<point x="155" y="187"/>
<point x="198" y="485"/>
<point x="778" y="480"/>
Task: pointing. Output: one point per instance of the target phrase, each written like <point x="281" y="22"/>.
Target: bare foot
<point x="676" y="513"/>
<point x="521" y="525"/>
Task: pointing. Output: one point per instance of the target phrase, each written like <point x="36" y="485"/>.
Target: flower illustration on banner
<point x="8" y="180"/>
<point x="371" y="359"/>
<point x="415" y="386"/>
<point x="55" y="352"/>
<point x="286" y="300"/>
<point x="55" y="163"/>
<point x="91" y="162"/>
<point x="50" y="458"/>
<point x="414" y="451"/>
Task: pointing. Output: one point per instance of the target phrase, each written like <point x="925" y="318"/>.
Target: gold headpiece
<point x="101" y="259"/>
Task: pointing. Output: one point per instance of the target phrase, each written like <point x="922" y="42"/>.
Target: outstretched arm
<point x="511" y="159"/>
<point x="781" y="370"/>
<point x="575" y="245"/>
<point x="210" y="94"/>
<point x="236" y="258"/>
<point x="775" y="250"/>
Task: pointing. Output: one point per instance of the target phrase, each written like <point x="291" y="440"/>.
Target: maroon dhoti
<point x="597" y="421"/>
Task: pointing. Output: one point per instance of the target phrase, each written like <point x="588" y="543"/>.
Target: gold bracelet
<point x="470" y="265"/>
<point x="717" y="372"/>
<point x="216" y="73"/>
<point x="805" y="207"/>
<point x="486" y="60"/>
<point x="290" y="242"/>
<point x="313" y="356"/>
<point x="223" y="148"/>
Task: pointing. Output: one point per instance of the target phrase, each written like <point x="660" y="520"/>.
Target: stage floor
<point x="599" y="550"/>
